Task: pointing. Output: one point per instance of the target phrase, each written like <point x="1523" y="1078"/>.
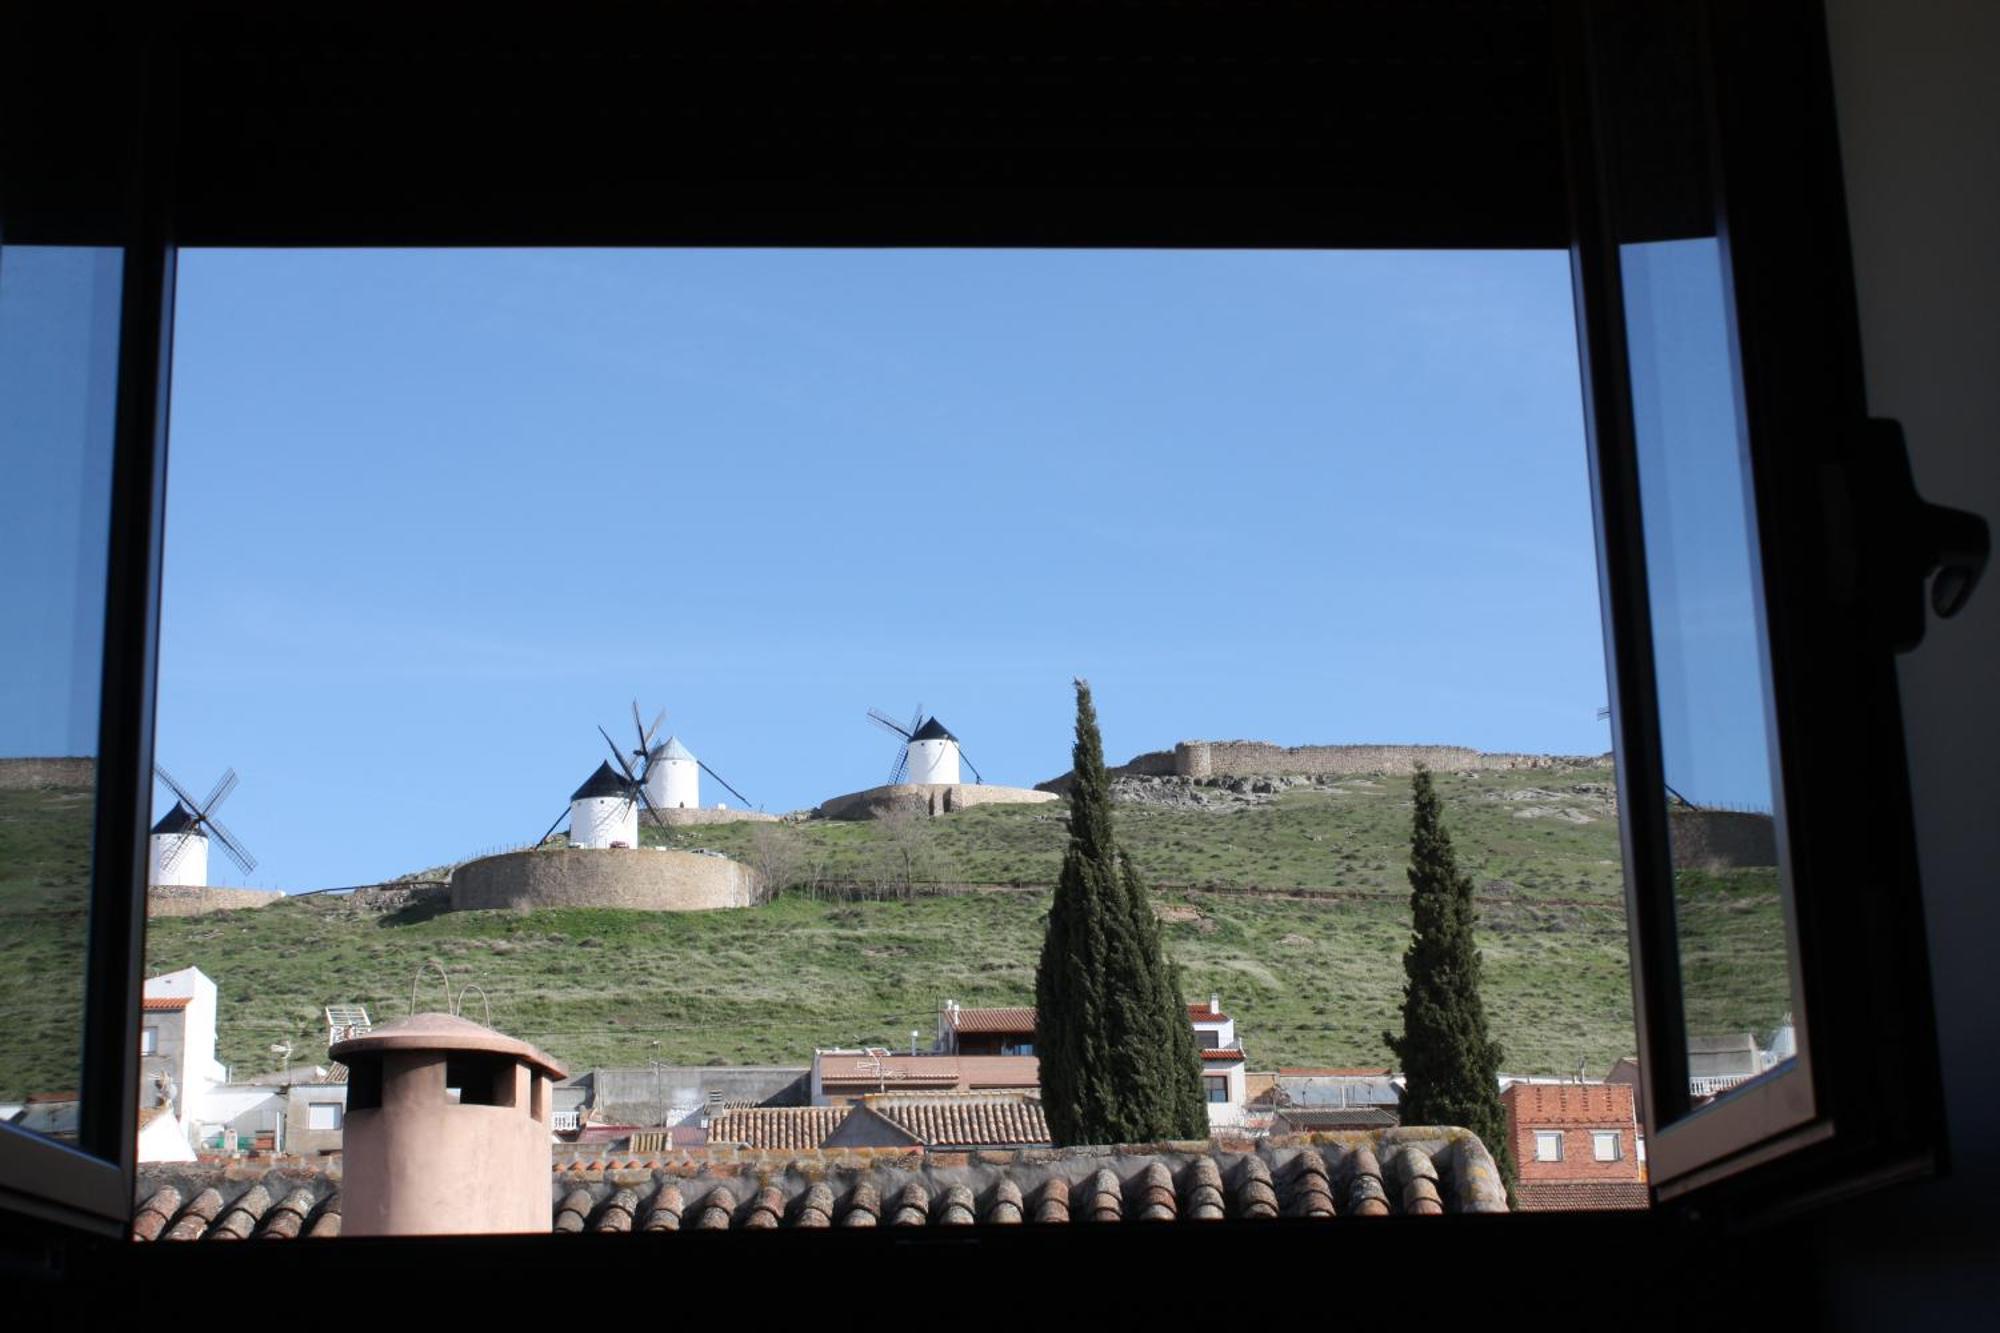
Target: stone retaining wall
<point x="188" y="900"/>
<point x="677" y="818"/>
<point x="648" y="879"/>
<point x="23" y="774"/>
<point x="1722" y="839"/>
<point x="930" y="798"/>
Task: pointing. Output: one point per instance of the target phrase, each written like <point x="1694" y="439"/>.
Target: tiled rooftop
<point x="165" y="1004"/>
<point x="777" y="1126"/>
<point x="1223" y="1053"/>
<point x="964" y="1122"/>
<point x="1566" y="1196"/>
<point x="994" y="1020"/>
<point x="1412" y="1171"/>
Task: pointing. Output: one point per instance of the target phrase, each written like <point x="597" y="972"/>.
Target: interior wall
<point x="1919" y="114"/>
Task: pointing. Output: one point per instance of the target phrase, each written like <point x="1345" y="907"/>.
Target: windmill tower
<point x="929" y="753"/>
<point x="603" y="811"/>
<point x="178" y="846"/>
<point x="675" y="781"/>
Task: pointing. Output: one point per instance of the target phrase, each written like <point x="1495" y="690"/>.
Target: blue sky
<point x="433" y="517"/>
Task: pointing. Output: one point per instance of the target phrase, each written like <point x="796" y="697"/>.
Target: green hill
<point x="1293" y="907"/>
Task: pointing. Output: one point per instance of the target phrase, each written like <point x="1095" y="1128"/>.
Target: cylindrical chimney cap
<point x="444" y="1032"/>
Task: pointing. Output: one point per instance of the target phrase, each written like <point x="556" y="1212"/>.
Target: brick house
<point x="1576" y="1145"/>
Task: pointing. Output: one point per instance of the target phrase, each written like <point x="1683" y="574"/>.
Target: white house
<point x="1223" y="1080"/>
<point x="177" y="1065"/>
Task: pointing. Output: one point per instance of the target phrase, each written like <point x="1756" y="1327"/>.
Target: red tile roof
<point x="994" y="1020"/>
<point x="965" y="1122"/>
<point x="164" y="1003"/>
<point x="1199" y="1013"/>
<point x="1225" y="1053"/>
<point x="792" y="1127"/>
<point x="1568" y="1196"/>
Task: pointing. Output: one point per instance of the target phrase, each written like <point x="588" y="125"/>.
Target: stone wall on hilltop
<point x="25" y="774"/>
<point x="1226" y="759"/>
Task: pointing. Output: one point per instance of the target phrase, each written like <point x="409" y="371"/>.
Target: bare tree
<point x="777" y="856"/>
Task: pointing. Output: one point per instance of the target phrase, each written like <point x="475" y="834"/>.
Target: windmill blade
<point x="916" y="721"/>
<point x="619" y="755"/>
<point x="890" y="724"/>
<point x="237" y="851"/>
<point x="724" y="781"/>
<point x="220" y="793"/>
<point x="180" y="792"/>
<point x="639" y="790"/>
<point x="1604" y="713"/>
<point x="179" y="845"/>
<point x="969" y="764"/>
<point x="902" y="768"/>
<point x="552" y="827"/>
<point x="644" y="732"/>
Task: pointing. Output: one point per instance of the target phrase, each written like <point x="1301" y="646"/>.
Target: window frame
<point x="1598" y="1137"/>
<point x="161" y="171"/>
<point x="1546" y="1136"/>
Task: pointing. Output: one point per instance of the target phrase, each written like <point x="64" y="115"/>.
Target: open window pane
<point x="1736" y="966"/>
<point x="59" y="308"/>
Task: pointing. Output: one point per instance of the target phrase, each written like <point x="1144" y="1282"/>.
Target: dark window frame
<point x="174" y="131"/>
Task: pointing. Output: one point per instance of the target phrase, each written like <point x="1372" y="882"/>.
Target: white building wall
<point x="199" y="1070"/>
<point x="190" y="867"/>
<point x="599" y="821"/>
<point x="933" y="762"/>
<point x="165" y="1139"/>
<point x="674" y="784"/>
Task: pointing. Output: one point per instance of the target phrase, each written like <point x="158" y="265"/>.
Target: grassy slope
<point x="44" y="883"/>
<point x="1305" y="944"/>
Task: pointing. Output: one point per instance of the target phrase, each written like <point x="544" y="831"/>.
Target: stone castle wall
<point x="24" y="774"/>
<point x="650" y="879"/>
<point x="1242" y="759"/>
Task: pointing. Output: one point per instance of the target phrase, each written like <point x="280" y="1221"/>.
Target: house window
<point x="1548" y="1145"/>
<point x="1217" y="1087"/>
<point x="323" y="1115"/>
<point x="1208" y="1041"/>
<point x="149" y="1041"/>
<point x="1604" y="1145"/>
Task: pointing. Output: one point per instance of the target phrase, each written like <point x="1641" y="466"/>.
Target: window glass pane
<point x="1703" y="580"/>
<point x="1604" y="1144"/>
<point x="1548" y="1146"/>
<point x="58" y="371"/>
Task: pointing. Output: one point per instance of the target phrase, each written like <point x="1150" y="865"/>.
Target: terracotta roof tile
<point x="1557" y="1196"/>
<point x="1200" y="1013"/>
<point x="965" y="1122"/>
<point x="994" y="1020"/>
<point x="1326" y="1176"/>
<point x="164" y="1004"/>
<point x="784" y="1127"/>
<point x="1223" y="1053"/>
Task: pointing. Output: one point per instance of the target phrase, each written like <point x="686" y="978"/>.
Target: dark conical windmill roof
<point x="606" y="781"/>
<point x="177" y="820"/>
<point x="933" y="730"/>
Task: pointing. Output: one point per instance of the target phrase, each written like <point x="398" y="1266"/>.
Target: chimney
<point x="1214" y="1003"/>
<point x="419" y="1161"/>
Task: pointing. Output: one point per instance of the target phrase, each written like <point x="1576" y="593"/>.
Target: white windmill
<point x="670" y="771"/>
<point x="178" y="847"/>
<point x="929" y="754"/>
<point x="604" y="811"/>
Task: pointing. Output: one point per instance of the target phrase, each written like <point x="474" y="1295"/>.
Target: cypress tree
<point x="1450" y="1066"/>
<point x="1118" y="1060"/>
